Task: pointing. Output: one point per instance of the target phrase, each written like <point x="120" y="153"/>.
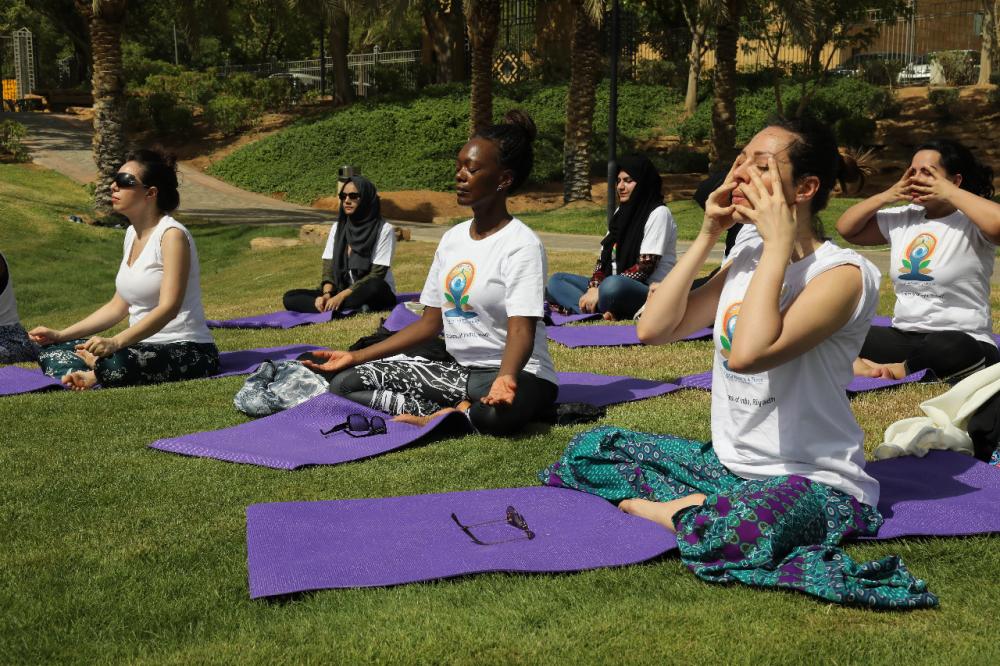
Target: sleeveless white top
<point x="795" y="418"/>
<point x="8" y="306"/>
<point x="139" y="284"/>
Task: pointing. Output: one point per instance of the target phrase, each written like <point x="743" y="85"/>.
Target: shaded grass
<point x="113" y="552"/>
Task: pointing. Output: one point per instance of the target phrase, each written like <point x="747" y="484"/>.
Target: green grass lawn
<point x="112" y="552"/>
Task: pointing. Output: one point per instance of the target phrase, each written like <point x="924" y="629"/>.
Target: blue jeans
<point x="617" y="294"/>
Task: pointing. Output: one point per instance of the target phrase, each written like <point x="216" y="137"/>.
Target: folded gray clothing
<point x="275" y="387"/>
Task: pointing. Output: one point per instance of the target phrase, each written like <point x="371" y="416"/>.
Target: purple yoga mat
<point x="14" y="380"/>
<point x="881" y="320"/>
<point x="606" y="336"/>
<point x="942" y="494"/>
<point x="287" y="319"/>
<point x="559" y="319"/>
<point x="299" y="546"/>
<point x="602" y="390"/>
<point x="292" y="438"/>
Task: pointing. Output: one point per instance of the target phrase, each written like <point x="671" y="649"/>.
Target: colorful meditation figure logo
<point x="729" y="328"/>
<point x="457" y="284"/>
<point x="918" y="257"/>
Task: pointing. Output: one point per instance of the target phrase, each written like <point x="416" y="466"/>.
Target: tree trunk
<point x="484" y="26"/>
<point x="723" y="148"/>
<point x="444" y="28"/>
<point x="989" y="41"/>
<point x="694" y="72"/>
<point x="340" y="34"/>
<point x="580" y="101"/>
<point x="108" y="87"/>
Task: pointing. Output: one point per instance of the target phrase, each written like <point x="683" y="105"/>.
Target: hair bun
<point x="522" y="120"/>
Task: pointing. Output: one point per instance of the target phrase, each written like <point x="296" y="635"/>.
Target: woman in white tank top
<point x="15" y="347"/>
<point x="782" y="483"/>
<point x="157" y="288"/>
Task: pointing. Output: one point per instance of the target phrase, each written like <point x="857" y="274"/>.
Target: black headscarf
<point x="360" y="231"/>
<point x="629" y="222"/>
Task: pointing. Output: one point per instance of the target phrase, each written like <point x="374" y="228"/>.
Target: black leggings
<point x="423" y="387"/>
<point x="950" y="355"/>
<point x="374" y="293"/>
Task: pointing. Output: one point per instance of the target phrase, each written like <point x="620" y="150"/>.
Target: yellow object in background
<point x="9" y="89"/>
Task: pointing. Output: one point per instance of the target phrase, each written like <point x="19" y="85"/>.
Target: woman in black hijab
<point x="638" y="250"/>
<point x="357" y="258"/>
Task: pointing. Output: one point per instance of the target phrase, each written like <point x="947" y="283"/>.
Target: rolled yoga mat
<point x="288" y="319"/>
<point x="299" y="546"/>
<point x="292" y="439"/>
<point x="14" y="380"/>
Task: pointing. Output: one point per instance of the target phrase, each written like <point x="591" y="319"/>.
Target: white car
<point x="916" y="72"/>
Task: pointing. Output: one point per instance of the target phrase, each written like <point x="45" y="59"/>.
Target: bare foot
<point x="609" y="317"/>
<point x="87" y="357"/>
<point x="661" y="513"/>
<point x="865" y="368"/>
<point x="81" y="380"/>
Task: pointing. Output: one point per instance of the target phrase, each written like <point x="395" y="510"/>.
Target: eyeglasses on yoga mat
<point x="353" y="196"/>
<point x="513" y="518"/>
<point x="359" y="425"/>
<point x="125" y="181"/>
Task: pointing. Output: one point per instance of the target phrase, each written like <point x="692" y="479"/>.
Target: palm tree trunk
<point x="580" y="101"/>
<point x="340" y="35"/>
<point x="105" y="20"/>
<point x="484" y="26"/>
<point x="723" y="148"/>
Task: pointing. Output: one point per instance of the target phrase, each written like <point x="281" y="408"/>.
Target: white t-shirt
<point x="659" y="237"/>
<point x="140" y="283"/>
<point x="478" y="284"/>
<point x="941" y="272"/>
<point x="793" y="419"/>
<point x="747" y="235"/>
<point x="385" y="247"/>
<point x="8" y="306"/>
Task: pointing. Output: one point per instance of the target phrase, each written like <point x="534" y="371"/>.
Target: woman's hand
<point x="335" y="361"/>
<point x="100" y="347"/>
<point x="337" y="300"/>
<point x="770" y="213"/>
<point x="321" y="302"/>
<point x="502" y="392"/>
<point x="45" y="336"/>
<point x="932" y="187"/>
<point x="719" y="207"/>
<point x="588" y="302"/>
<point x="900" y="190"/>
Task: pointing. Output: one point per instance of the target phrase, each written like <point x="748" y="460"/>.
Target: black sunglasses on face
<point x="125" y="181"/>
<point x="359" y="425"/>
<point x="353" y="196"/>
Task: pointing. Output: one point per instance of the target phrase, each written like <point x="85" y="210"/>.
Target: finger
<point x="746" y="211"/>
<point x="724" y="189"/>
<point x="757" y="190"/>
<point x="776" y="190"/>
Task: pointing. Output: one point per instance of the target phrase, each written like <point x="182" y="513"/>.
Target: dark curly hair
<point x="513" y="138"/>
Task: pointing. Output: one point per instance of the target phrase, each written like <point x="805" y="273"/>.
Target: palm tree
<point x="723" y="148"/>
<point x="105" y="19"/>
<point x="585" y="61"/>
<point x="484" y="26"/>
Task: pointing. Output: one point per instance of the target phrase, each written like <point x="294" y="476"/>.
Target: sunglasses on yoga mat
<point x="125" y="181"/>
<point x="359" y="425"/>
<point x="353" y="196"/>
<point x="513" y="518"/>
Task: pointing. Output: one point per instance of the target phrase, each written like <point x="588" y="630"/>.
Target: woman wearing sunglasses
<point x="357" y="257"/>
<point x="157" y="288"/>
<point x="485" y="292"/>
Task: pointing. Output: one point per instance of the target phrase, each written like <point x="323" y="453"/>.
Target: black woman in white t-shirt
<point x="782" y="483"/>
<point x="157" y="287"/>
<point x="943" y="245"/>
<point x="484" y="293"/>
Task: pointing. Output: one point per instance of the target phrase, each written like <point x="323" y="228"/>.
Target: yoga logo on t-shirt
<point x="918" y="257"/>
<point x="457" y="284"/>
<point x="732" y="313"/>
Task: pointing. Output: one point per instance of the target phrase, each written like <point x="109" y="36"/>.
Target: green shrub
<point x="657" y="72"/>
<point x="854" y="131"/>
<point x="187" y="87"/>
<point x="137" y="113"/>
<point x="274" y="94"/>
<point x="230" y="114"/>
<point x="958" y="67"/>
<point x="943" y="99"/>
<point x="11" y="148"/>
<point x="240" y="84"/>
<point x="881" y="72"/>
<point x="138" y="67"/>
<point x="167" y="115"/>
<point x="681" y="159"/>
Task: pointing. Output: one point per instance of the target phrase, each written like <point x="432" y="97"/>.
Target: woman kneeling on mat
<point x="15" y="347"/>
<point x="943" y="246"/>
<point x="357" y="257"/>
<point x="485" y="291"/>
<point x="782" y="482"/>
<point x="157" y="288"/>
<point x="638" y="250"/>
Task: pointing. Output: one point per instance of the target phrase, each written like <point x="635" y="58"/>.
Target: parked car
<point x="917" y="72"/>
